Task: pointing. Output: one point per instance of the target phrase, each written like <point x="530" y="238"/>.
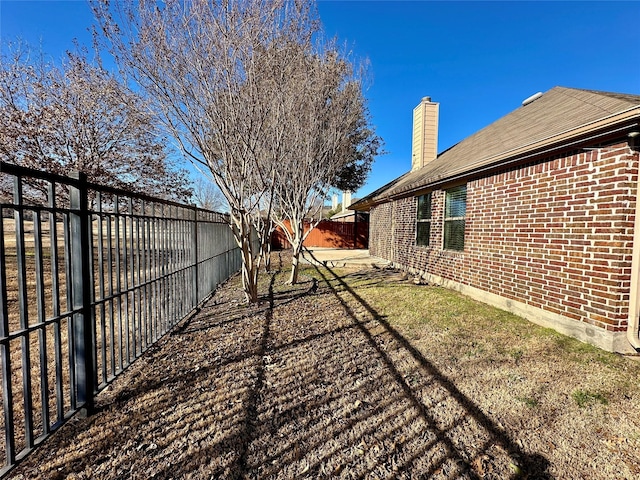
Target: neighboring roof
<point x="346" y="213"/>
<point x="558" y="116"/>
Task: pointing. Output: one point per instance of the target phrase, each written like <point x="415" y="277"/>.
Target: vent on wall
<point x="532" y="98"/>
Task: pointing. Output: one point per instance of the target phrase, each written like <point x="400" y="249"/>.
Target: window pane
<point x="422" y="236"/>
<point x="456" y="202"/>
<point x="454" y="235"/>
<point x="424" y="207"/>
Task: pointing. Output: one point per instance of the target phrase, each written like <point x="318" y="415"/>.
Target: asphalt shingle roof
<point x="557" y="112"/>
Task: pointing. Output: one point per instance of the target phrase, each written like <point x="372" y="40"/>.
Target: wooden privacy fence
<point x="90" y="278"/>
<point x="329" y="234"/>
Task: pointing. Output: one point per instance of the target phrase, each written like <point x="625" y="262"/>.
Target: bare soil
<point x="356" y="374"/>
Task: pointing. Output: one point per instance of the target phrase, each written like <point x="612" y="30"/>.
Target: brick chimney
<point x="424" y="146"/>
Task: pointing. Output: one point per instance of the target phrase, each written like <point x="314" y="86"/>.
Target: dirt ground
<point x="326" y="380"/>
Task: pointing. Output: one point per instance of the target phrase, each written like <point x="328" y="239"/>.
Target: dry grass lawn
<point x="356" y="374"/>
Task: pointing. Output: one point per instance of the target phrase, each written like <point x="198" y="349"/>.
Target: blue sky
<point x="479" y="60"/>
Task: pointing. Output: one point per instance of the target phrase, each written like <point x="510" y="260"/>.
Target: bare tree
<point x="207" y="195"/>
<point x="332" y="142"/>
<point x="213" y="69"/>
<point x="76" y="116"/>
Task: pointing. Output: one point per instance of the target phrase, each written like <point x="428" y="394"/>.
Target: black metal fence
<point x="90" y="277"/>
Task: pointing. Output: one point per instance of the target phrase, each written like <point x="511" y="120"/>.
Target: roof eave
<point x="586" y="133"/>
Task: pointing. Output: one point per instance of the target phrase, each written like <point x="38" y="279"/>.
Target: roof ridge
<point x="620" y="96"/>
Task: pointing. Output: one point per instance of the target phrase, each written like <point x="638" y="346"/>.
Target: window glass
<point x="423" y="223"/>
<point x="456" y="202"/>
<point x="424" y="207"/>
<point x="454" y="221"/>
<point x="423" y="233"/>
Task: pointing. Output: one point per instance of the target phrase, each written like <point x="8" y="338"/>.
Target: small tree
<point x="333" y="143"/>
<point x="77" y="116"/>
<point x="213" y="71"/>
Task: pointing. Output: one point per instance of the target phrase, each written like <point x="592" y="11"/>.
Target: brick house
<point x="534" y="213"/>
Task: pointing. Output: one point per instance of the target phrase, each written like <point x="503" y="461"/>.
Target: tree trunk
<point x="267" y="259"/>
<point x="242" y="232"/>
<point x="266" y="246"/>
<point x="295" y="263"/>
<point x="296" y="246"/>
<point x="249" y="277"/>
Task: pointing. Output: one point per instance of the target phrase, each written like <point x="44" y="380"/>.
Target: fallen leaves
<point x="322" y="385"/>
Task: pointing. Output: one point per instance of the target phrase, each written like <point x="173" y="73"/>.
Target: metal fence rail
<point x="90" y="277"/>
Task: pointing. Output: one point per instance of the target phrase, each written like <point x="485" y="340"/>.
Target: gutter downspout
<point x="633" y="322"/>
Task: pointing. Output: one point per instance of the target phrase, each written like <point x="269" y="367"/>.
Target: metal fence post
<point x="194" y="249"/>
<point x="81" y="282"/>
<point x="5" y="356"/>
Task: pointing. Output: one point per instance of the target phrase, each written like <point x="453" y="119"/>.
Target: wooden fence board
<point x="328" y="234"/>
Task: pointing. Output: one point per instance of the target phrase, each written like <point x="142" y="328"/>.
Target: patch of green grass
<point x="585" y="397"/>
<point x="516" y="354"/>
<point x="514" y="377"/>
<point x="529" y="401"/>
<point x="441" y="320"/>
<point x="476" y="349"/>
<point x="584" y="353"/>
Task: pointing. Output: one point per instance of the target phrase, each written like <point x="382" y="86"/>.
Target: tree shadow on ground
<point x="469" y="458"/>
<point x="309" y="386"/>
<point x="204" y="319"/>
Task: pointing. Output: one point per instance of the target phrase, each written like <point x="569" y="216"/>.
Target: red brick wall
<point x="557" y="235"/>
<point x="380" y="238"/>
